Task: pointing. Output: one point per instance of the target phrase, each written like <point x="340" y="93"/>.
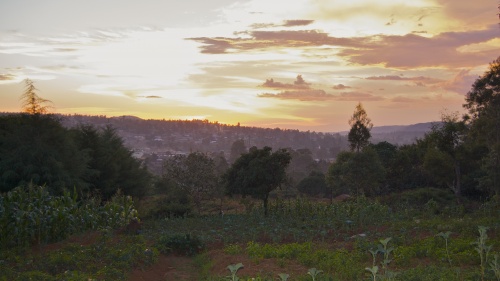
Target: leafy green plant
<point x="482" y="249"/>
<point x="283" y="276"/>
<point x="32" y="216"/>
<point x="446" y="237"/>
<point x="373" y="271"/>
<point x="386" y="251"/>
<point x="313" y="272"/>
<point x="495" y="266"/>
<point x="180" y="244"/>
<point x="233" y="268"/>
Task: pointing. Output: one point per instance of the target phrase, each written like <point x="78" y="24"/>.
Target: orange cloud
<point x="358" y="96"/>
<point x="340" y="87"/>
<point x="302" y="95"/>
<point x="300" y="83"/>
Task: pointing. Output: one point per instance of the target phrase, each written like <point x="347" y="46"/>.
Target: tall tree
<point x="257" y="173"/>
<point x="446" y="152"/>
<point x="483" y="104"/>
<point x="31" y="102"/>
<point x="37" y="148"/>
<point x="359" y="135"/>
<point x="111" y="165"/>
<point x="356" y="172"/>
<point x="237" y="149"/>
<point x="195" y="174"/>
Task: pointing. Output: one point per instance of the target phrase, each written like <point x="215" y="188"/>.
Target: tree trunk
<point x="265" y="204"/>
<point x="458" y="185"/>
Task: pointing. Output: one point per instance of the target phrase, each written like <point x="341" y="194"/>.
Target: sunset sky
<point x="301" y="64"/>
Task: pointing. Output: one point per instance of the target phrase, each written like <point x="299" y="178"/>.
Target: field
<point x="413" y="237"/>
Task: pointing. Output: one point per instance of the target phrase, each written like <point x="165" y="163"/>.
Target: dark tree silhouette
<point x="31" y="103"/>
<point x="361" y="125"/>
<point x="257" y="173"/>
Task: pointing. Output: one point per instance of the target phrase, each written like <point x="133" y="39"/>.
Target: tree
<point x="111" y="165"/>
<point x="38" y="149"/>
<point x="361" y="125"/>
<point x="483" y="104"/>
<point x="237" y="148"/>
<point x="257" y="173"/>
<point x="314" y="184"/>
<point x="356" y="172"/>
<point x="31" y="102"/>
<point x="195" y="174"/>
<point x="446" y="152"/>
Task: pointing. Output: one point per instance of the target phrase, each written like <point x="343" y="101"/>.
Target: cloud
<point x="396" y="51"/>
<point x="341" y="87"/>
<point x="417" y="79"/>
<point x="357" y="96"/>
<point x="412" y="51"/>
<point x="302" y="95"/>
<point x="403" y="99"/>
<point x="297" y="22"/>
<point x="274" y="39"/>
<point x="299" y="83"/>
<point x="151" y="97"/>
<point x="460" y="83"/>
<point x="286" y="23"/>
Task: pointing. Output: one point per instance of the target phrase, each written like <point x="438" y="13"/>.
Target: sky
<point x="301" y="64"/>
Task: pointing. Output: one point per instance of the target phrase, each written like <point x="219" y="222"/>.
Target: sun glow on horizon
<point x="235" y="62"/>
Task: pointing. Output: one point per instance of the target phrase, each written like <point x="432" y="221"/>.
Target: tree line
<point x="35" y="148"/>
<point x="460" y="154"/>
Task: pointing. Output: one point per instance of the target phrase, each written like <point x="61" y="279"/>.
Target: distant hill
<point x="398" y="134"/>
<point x="163" y="137"/>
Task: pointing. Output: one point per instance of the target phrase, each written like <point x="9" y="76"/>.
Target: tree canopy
<point x="257" y="173"/>
<point x="483" y="105"/>
<point x="359" y="135"/>
<point x="195" y="174"/>
<point x="31" y="102"/>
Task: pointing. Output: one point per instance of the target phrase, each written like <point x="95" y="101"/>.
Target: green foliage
<point x="38" y="149"/>
<point x="257" y="173"/>
<point x="359" y="173"/>
<point x="193" y="174"/>
<point x="187" y="245"/>
<point x="110" y="258"/>
<point x="359" y="135"/>
<point x="313" y="272"/>
<point x="111" y="165"/>
<point x="175" y="203"/>
<point x="31" y="102"/>
<point x="314" y="184"/>
<point x="233" y="268"/>
<point x="483" y="104"/>
<point x="30" y="215"/>
<point x="482" y="248"/>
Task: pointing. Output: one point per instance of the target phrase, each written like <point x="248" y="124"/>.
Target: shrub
<point x="180" y="244"/>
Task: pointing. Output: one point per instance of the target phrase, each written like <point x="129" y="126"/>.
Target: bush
<point x="180" y="245"/>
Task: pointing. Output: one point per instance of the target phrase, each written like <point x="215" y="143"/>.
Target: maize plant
<point x="31" y="215"/>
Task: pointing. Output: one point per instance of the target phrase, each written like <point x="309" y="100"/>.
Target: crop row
<point x="31" y="215"/>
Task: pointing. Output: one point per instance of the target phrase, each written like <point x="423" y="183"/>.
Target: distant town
<point x="155" y="140"/>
